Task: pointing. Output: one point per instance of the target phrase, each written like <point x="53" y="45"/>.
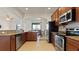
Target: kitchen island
<point x="13" y="41"/>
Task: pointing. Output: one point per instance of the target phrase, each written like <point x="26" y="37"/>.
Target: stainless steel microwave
<point x="62" y="18"/>
<point x="67" y="16"/>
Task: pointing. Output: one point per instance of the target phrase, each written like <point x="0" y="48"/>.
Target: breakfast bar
<point x="13" y="41"/>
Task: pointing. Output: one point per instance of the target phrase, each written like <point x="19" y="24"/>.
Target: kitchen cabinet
<point x="77" y="14"/>
<point x="71" y="44"/>
<point x="31" y="36"/>
<point x="24" y="37"/>
<point x="13" y="43"/>
<point x="62" y="10"/>
<point x="55" y="17"/>
<point x="4" y="43"/>
<point x="7" y="43"/>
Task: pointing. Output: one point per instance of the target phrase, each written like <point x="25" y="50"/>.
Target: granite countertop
<point x="73" y="37"/>
<point x="8" y="34"/>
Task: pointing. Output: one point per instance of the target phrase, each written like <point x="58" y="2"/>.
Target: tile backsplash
<point x="62" y="28"/>
<point x="73" y="25"/>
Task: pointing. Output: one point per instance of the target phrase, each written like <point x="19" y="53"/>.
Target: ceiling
<point x="21" y="11"/>
<point x="36" y="10"/>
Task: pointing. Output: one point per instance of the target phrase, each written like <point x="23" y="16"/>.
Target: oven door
<point x="59" y="43"/>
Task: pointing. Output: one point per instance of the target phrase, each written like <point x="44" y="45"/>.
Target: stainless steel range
<point x="72" y="31"/>
<point x="60" y="43"/>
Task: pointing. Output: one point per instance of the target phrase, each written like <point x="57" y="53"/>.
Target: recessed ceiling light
<point x="19" y="25"/>
<point x="26" y="8"/>
<point x="8" y="19"/>
<point x="39" y="18"/>
<point x="49" y="8"/>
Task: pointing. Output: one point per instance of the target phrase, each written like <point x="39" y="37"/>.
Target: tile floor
<point x="43" y="45"/>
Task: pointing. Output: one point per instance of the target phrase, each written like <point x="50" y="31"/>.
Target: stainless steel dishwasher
<point x="18" y="41"/>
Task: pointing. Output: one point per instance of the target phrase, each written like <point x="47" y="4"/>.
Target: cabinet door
<point x="62" y="10"/>
<point x="13" y="42"/>
<point x="77" y="14"/>
<point x="4" y="43"/>
<point x="67" y="8"/>
<point x="31" y="36"/>
<point x="53" y="17"/>
<point x="71" y="45"/>
<point x="24" y="37"/>
<point x="57" y="17"/>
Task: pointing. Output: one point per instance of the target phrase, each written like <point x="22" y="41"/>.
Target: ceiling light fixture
<point x="26" y="8"/>
<point x="8" y="19"/>
<point x="49" y="8"/>
<point x="39" y="18"/>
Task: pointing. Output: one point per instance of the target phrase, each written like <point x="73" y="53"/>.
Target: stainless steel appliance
<point x="60" y="43"/>
<point x="67" y="16"/>
<point x="72" y="31"/>
<point x="18" y="41"/>
<point x="62" y="18"/>
<point x="52" y="28"/>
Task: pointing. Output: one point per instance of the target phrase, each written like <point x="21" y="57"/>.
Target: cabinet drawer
<point x="73" y="42"/>
<point x="70" y="47"/>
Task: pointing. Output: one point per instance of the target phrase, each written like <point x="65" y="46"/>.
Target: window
<point x="36" y="26"/>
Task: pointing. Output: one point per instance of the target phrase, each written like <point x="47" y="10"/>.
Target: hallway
<point x="42" y="46"/>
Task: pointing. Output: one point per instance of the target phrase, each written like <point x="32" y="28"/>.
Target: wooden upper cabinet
<point x="55" y="16"/>
<point x="67" y="8"/>
<point x="62" y="10"/>
<point x="77" y="14"/>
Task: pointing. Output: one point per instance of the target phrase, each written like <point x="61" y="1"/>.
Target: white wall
<point x="28" y="23"/>
<point x="4" y="25"/>
<point x="12" y="13"/>
<point x="10" y="24"/>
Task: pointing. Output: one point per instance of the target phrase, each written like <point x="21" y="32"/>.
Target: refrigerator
<point x="52" y="28"/>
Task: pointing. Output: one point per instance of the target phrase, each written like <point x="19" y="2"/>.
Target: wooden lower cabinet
<point x="24" y="37"/>
<point x="72" y="45"/>
<point x="4" y="43"/>
<point x="13" y="43"/>
<point x="8" y="42"/>
<point x="31" y="36"/>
